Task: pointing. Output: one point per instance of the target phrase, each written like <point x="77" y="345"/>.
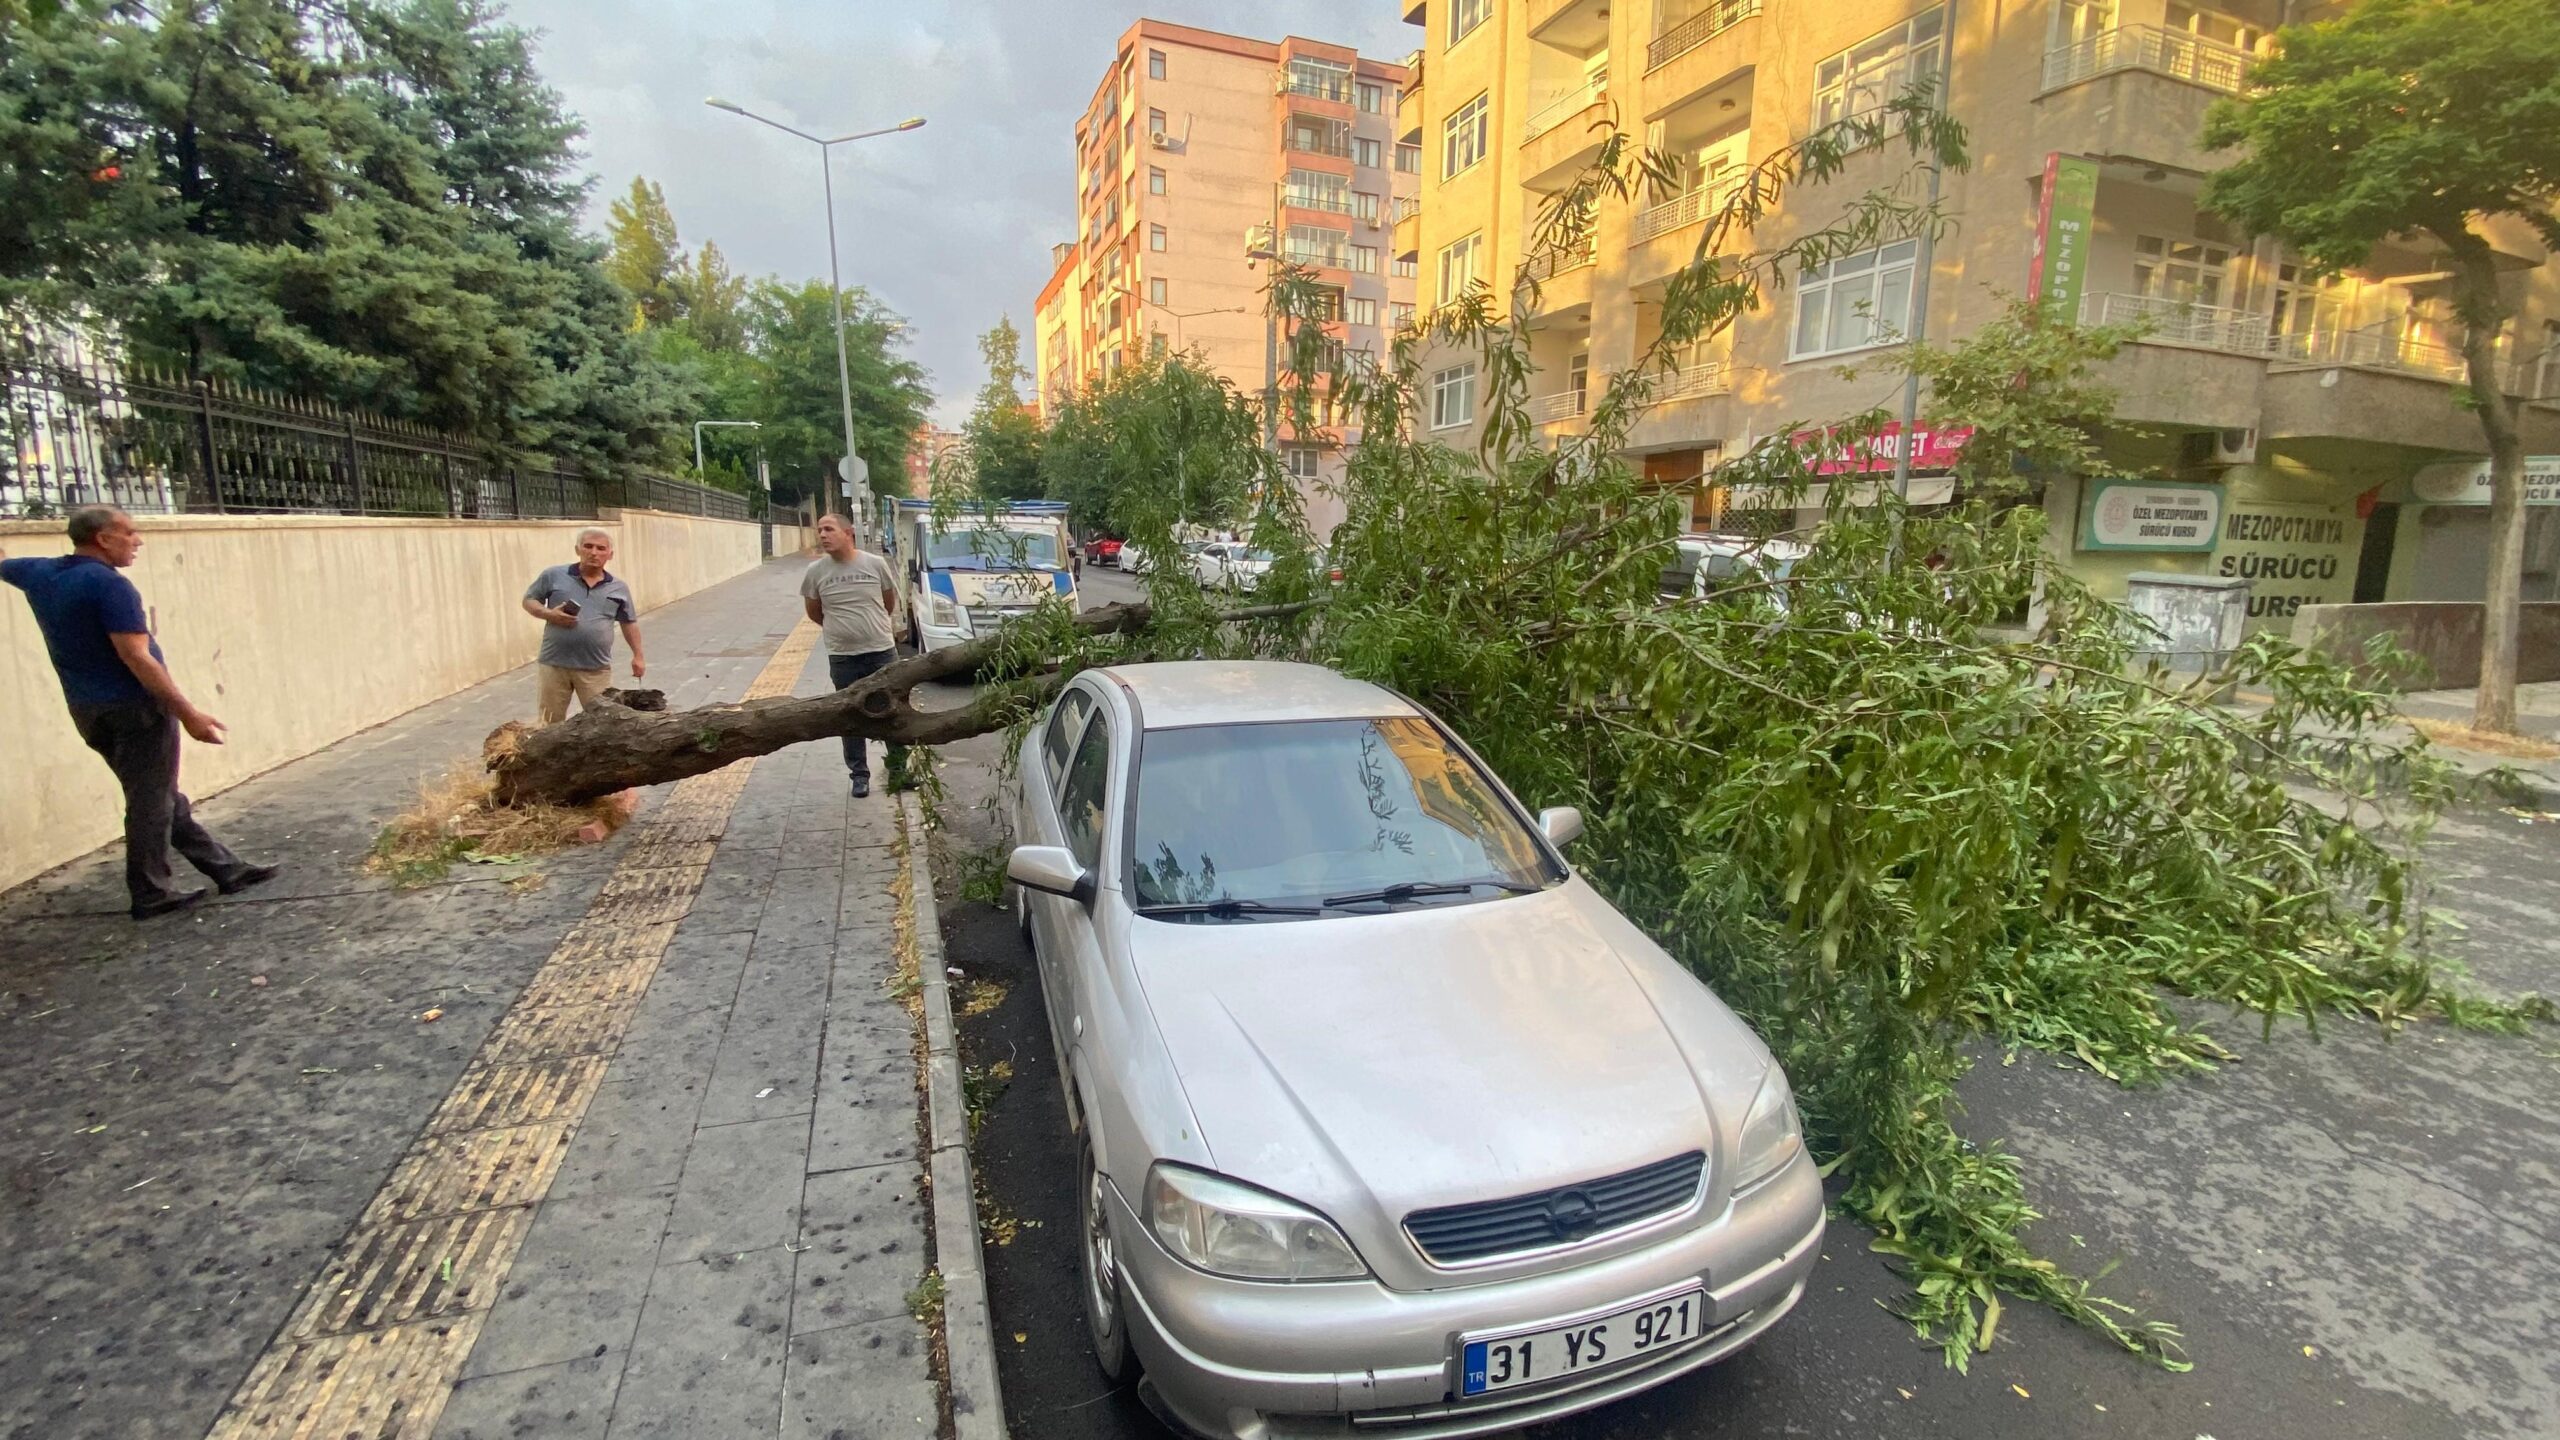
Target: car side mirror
<point x="1051" y="870"/>
<point x="1562" y="824"/>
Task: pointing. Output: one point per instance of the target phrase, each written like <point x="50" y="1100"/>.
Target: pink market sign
<point x="1933" y="450"/>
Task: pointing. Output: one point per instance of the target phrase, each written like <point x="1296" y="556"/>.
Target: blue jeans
<point x="844" y="670"/>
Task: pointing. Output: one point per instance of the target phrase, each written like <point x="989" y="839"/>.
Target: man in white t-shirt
<point x="852" y="595"/>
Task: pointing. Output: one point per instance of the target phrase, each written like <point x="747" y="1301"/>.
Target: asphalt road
<point x="2359" y="1235"/>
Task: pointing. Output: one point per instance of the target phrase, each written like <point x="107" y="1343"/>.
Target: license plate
<point x="1528" y="1357"/>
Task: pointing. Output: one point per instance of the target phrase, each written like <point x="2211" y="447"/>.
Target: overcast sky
<point x="950" y="225"/>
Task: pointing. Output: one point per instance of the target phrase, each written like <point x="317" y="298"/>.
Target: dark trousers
<point x="844" y="670"/>
<point x="139" y="742"/>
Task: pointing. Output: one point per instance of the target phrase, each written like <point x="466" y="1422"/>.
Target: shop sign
<point x="2066" y="218"/>
<point x="2131" y="515"/>
<point x="1877" y="454"/>
<point x="2292" y="555"/>
<point x="2466" y="482"/>
<point x="1925" y="490"/>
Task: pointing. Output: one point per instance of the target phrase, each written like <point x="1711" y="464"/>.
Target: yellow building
<point x="1197" y="147"/>
<point x="2309" y="434"/>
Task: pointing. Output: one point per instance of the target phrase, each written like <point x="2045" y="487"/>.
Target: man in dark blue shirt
<point x="126" y="706"/>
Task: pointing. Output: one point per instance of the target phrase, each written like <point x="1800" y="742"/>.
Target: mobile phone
<point x="569" y="608"/>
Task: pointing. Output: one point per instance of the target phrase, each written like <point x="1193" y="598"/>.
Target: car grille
<point x="985" y="618"/>
<point x="1458" y="1234"/>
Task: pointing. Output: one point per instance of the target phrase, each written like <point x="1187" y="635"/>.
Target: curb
<point x="968" y="1328"/>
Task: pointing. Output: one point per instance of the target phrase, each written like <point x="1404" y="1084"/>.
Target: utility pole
<point x="1927" y="262"/>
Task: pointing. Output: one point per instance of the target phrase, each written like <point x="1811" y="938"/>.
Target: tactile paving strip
<point x="374" y="1348"/>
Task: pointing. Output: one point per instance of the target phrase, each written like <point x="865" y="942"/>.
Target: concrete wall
<point x="298" y="631"/>
<point x="2443" y="633"/>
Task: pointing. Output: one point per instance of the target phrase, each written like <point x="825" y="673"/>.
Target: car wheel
<point x="1105" y="1319"/>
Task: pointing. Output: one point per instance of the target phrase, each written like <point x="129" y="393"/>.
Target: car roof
<point x="1176" y="693"/>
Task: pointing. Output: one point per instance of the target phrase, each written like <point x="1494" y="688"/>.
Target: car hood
<point x="1375" y="1065"/>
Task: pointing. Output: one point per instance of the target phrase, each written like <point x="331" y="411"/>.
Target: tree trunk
<point x="2483" y="312"/>
<point x="612" y="748"/>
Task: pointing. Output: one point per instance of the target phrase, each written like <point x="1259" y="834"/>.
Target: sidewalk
<point x="653" y="1170"/>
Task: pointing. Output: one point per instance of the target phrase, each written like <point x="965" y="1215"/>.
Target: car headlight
<point x="1222" y="1227"/>
<point x="944" y="611"/>
<point x="1771" y="1134"/>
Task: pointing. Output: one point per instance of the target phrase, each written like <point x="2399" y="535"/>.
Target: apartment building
<point x="2307" y="434"/>
<point x="1197" y="149"/>
<point x="926" y="450"/>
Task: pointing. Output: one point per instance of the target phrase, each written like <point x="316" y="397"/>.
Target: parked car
<point x="1135" y="560"/>
<point x="1230" y="565"/>
<point x="1707" y="564"/>
<point x="1387" y="1119"/>
<point x="1102" y="550"/>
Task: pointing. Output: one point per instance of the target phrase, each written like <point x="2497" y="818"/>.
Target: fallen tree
<point x="613" y="747"/>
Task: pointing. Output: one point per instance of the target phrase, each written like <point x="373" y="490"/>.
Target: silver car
<point x="1390" y="1125"/>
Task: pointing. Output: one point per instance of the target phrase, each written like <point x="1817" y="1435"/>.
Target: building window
<point x="1315" y="245"/>
<point x="1458" y="268"/>
<point x="1465" y="16"/>
<point x="1155" y="124"/>
<point x="1367" y="152"/>
<point x="1854" y="302"/>
<point x="1462" y="138"/>
<point x="1129" y="191"/>
<point x="1361" y="312"/>
<point x="1322" y="79"/>
<point x="1859" y="80"/>
<point x="1156" y="291"/>
<point x="2185" y="272"/>
<point x="1408" y="159"/>
<point x="1155" y="180"/>
<point x="1319" y="135"/>
<point x="1373" y="99"/>
<point x="1399" y="313"/>
<point x="1365" y="205"/>
<point x="1155" y="64"/>
<point x="1129" y="133"/>
<point x="1305" y="463"/>
<point x="1155" y="237"/>
<point x="1453" y="397"/>
<point x="1317" y="190"/>
<point x="1406" y="268"/>
<point x="1364" y="259"/>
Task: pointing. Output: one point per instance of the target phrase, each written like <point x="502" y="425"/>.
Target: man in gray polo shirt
<point x="581" y="604"/>
<point x="852" y="594"/>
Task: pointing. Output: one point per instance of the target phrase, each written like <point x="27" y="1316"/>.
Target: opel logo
<point x="1573" y="1214"/>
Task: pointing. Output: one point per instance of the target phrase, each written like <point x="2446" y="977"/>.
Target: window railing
<point x="1567" y="105"/>
<point x="1311" y="142"/>
<point x="1406" y="207"/>
<point x="1320" y="88"/>
<point x="1712" y="19"/>
<point x="2174" y="322"/>
<point x="1329" y="257"/>
<point x="2160" y="50"/>
<point x="1682" y="210"/>
<point x="2373" y="349"/>
<point x="1319" y="200"/>
<point x="1563" y="405"/>
<point x="1549" y="264"/>
<point x="1689" y="382"/>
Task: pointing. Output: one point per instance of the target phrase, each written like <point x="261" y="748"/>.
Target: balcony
<point x="1681" y="211"/>
<point x="1562" y="277"/>
<point x="1330" y="202"/>
<point x="1562" y="406"/>
<point x="1692" y="382"/>
<point x="2172" y="322"/>
<point x="1559" y="262"/>
<point x="2154" y="49"/>
<point x="1688" y="407"/>
<point x="1566" y="106"/>
<point x="1712" y="19"/>
<point x="1407" y="235"/>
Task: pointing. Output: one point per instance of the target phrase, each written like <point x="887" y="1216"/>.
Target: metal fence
<point x="79" y="430"/>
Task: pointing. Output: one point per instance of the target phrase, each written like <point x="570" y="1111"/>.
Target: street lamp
<point x="835" y="279"/>
<point x="697" y="438"/>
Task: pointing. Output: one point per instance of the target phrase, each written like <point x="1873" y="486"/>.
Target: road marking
<point x="376" y="1344"/>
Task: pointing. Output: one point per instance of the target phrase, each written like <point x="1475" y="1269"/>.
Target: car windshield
<point x="1296" y="813"/>
<point x="975" y="549"/>
<point x="1258" y="557"/>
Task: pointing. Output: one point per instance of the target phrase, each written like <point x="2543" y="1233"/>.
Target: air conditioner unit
<point x="2214" y="449"/>
<point x="1160" y="139"/>
<point x="1375" y="223"/>
<point x="1280" y="83"/>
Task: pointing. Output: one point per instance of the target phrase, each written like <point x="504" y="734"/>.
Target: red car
<point x="1103" y="550"/>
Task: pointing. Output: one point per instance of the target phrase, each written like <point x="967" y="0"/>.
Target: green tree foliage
<point x="1162" y="442"/>
<point x="1003" y="451"/>
<point x="1879" y="814"/>
<point x="2427" y="119"/>
<point x="715" y="301"/>
<point x="645" y="260"/>
<point x="791" y="330"/>
<point x="367" y="202"/>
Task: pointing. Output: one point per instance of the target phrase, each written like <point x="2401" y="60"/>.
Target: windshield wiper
<point x="1413" y="890"/>
<point x="1228" y="909"/>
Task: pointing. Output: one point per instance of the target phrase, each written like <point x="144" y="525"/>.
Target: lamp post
<point x="1269" y="250"/>
<point x="835" y="279"/>
<point x="697" y="438"/>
